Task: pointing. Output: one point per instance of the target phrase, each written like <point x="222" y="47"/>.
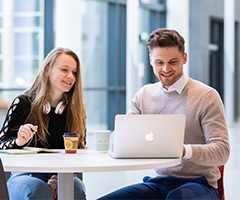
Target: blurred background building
<point x="110" y="38"/>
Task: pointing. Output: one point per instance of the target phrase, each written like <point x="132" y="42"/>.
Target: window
<point x="21" y="46"/>
<point x="216" y="56"/>
<point x="28" y="37"/>
<point x="103" y="56"/>
<point x="151" y="1"/>
<point x="1" y="41"/>
<point x="153" y="16"/>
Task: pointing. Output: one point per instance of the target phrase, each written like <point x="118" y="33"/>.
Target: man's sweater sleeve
<point x="217" y="149"/>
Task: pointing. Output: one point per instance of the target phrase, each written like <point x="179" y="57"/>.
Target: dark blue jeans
<point x="166" y="188"/>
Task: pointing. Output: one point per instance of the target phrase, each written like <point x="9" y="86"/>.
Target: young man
<point x="206" y="143"/>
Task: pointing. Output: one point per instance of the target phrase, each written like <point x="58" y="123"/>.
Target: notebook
<point x="148" y="136"/>
<point x="3" y="186"/>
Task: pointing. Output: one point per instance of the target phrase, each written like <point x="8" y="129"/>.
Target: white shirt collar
<point x="178" y="85"/>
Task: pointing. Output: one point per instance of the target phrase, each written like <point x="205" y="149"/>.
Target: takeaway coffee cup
<point x="70" y="142"/>
<point x="101" y="140"/>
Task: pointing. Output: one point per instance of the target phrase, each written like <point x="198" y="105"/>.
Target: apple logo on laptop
<point x="149" y="136"/>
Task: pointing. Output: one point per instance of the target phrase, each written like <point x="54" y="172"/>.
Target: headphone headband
<point x="59" y="108"/>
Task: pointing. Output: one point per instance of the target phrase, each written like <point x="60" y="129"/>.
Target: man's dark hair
<point x="163" y="37"/>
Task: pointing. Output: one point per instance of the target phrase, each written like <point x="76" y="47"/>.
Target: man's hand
<point x="25" y="133"/>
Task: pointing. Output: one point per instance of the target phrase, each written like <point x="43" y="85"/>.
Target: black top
<point x="17" y="115"/>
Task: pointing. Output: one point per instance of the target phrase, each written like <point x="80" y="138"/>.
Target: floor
<point x="232" y="175"/>
<point x="98" y="184"/>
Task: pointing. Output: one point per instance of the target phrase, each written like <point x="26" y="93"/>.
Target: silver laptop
<point x="148" y="136"/>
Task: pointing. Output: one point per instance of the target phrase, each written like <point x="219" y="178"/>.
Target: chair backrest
<point x="220" y="183"/>
<point x="3" y="186"/>
<point x="79" y="175"/>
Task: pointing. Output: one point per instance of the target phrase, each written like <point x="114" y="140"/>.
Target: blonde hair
<point x="38" y="94"/>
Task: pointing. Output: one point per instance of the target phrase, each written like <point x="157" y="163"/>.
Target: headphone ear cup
<point x="46" y="108"/>
<point x="60" y="108"/>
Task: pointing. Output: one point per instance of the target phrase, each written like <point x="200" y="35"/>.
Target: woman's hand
<point x="25" y="133"/>
<point x="53" y="184"/>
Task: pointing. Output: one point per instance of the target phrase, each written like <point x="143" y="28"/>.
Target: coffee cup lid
<point x="70" y="135"/>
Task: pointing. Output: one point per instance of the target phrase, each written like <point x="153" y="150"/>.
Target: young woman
<point x="40" y="116"/>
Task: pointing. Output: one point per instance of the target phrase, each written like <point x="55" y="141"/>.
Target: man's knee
<point x="191" y="191"/>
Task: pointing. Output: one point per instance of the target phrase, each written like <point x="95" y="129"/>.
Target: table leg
<point x="65" y="186"/>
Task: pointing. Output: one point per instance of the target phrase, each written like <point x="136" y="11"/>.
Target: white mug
<point x="101" y="140"/>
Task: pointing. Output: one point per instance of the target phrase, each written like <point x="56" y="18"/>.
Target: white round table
<point x="84" y="161"/>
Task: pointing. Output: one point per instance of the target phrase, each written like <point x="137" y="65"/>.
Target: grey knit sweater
<point x="205" y="131"/>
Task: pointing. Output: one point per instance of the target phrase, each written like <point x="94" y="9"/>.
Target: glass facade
<point x="151" y="1"/>
<point x="94" y="61"/>
<point x="27" y="5"/>
<point x="103" y="52"/>
<point x="103" y="61"/>
<point x="94" y="43"/>
<point x="0" y="70"/>
<point x="103" y="56"/>
<point x="21" y="46"/>
<point x="1" y="41"/>
<point x="28" y="37"/>
<point x="150" y="19"/>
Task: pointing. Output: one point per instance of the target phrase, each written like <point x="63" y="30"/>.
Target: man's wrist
<point x="188" y="151"/>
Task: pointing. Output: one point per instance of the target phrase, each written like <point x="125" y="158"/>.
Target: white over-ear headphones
<point x="59" y="108"/>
